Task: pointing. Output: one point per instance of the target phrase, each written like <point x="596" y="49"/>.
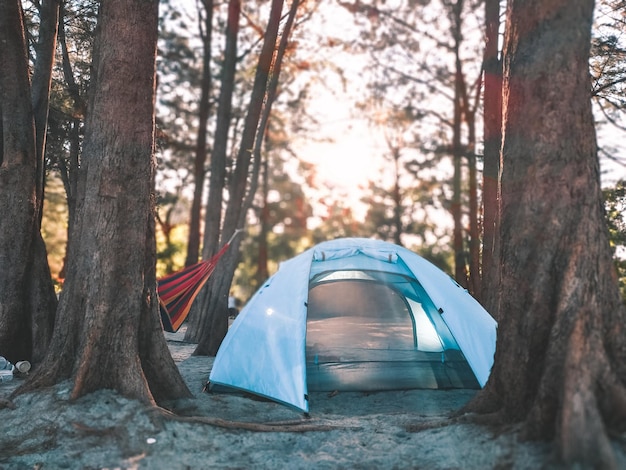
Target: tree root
<point x="294" y="426"/>
<point x="4" y="403"/>
<point x="91" y="431"/>
<point x="493" y="421"/>
<point x="33" y="441"/>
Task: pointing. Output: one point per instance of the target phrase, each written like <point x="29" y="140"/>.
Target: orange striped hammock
<point x="178" y="290"/>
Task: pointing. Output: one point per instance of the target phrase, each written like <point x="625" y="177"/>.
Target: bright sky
<point x="352" y="152"/>
<point x="346" y="151"/>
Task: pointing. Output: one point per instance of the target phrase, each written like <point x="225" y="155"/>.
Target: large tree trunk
<point x="560" y="364"/>
<point x="27" y="299"/>
<point x="108" y="333"/>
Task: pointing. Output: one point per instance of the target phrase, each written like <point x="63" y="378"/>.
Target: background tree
<point x="439" y="89"/>
<point x="615" y="204"/>
<point x="283" y="214"/>
<point x="205" y="26"/>
<point x="71" y="77"/>
<point x="608" y="61"/>
<point x="27" y="299"/>
<point x="213" y="323"/>
<point x="169" y="221"/>
<point x="401" y="201"/>
<point x="42" y="79"/>
<point x="217" y="182"/>
<point x="108" y="332"/>
<point x="560" y="363"/>
<point x="492" y="139"/>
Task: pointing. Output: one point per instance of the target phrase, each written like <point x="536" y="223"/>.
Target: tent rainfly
<point x="356" y="314"/>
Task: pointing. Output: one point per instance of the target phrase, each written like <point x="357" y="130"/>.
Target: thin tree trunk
<point x="70" y="168"/>
<point x="42" y="80"/>
<point x="460" y="271"/>
<point x="397" y="197"/>
<point x="193" y="245"/>
<point x="492" y="123"/>
<point x="263" y="136"/>
<point x="216" y="320"/>
<point x="78" y="103"/>
<point x="217" y="180"/>
<point x="474" y="237"/>
<point x="42" y="298"/>
<point x="262" y="271"/>
<point x="469" y="113"/>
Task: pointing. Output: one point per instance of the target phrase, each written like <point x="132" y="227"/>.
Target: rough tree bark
<point x="560" y="364"/>
<point x="27" y="299"/>
<point x="108" y="333"/>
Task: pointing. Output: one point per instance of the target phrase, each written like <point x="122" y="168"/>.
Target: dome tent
<point x="356" y="314"/>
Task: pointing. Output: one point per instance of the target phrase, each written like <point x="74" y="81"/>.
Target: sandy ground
<point x="386" y="430"/>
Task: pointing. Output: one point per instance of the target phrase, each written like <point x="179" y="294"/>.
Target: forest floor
<point x="384" y="430"/>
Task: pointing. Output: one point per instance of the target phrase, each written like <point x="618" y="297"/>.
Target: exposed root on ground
<point x="493" y="421"/>
<point x="4" y="403"/>
<point x="294" y="426"/>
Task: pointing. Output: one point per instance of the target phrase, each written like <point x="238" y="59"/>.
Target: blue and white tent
<point x="356" y="314"/>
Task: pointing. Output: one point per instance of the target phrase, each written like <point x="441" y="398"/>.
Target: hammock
<point x="178" y="290"/>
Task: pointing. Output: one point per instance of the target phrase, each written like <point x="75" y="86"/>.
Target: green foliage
<point x="338" y="221"/>
<point x="615" y="207"/>
<point x="171" y="250"/>
<point x="172" y="229"/>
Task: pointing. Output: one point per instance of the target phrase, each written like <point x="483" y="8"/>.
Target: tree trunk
<point x="460" y="271"/>
<point x="262" y="271"/>
<point x="42" y="297"/>
<point x="474" y="238"/>
<point x="469" y="113"/>
<point x="27" y="299"/>
<point x="396" y="196"/>
<point x="69" y="167"/>
<point x="560" y="364"/>
<point x="217" y="180"/>
<point x="216" y="320"/>
<point x="263" y="136"/>
<point x="108" y="333"/>
<point x="42" y="80"/>
<point x="193" y="245"/>
<point x="492" y="122"/>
